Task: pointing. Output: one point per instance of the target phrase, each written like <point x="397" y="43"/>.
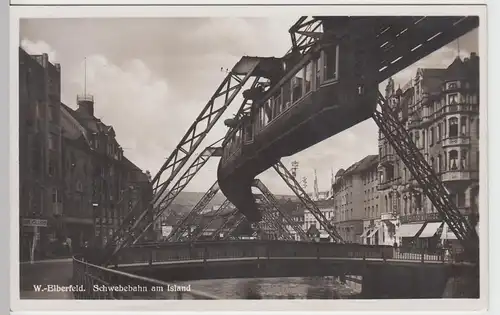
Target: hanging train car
<point x="322" y="93"/>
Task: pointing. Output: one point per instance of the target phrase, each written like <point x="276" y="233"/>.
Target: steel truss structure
<point x="431" y="185"/>
<point x="295" y="186"/>
<point x="204" y="226"/>
<point x="272" y="200"/>
<point x="180" y="230"/>
<point x="139" y="220"/>
<point x="396" y="42"/>
<point x="272" y="217"/>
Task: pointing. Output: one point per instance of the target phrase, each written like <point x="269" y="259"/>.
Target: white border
<point x="232" y="305"/>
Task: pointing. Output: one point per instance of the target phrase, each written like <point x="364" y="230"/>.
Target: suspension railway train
<point x="313" y="96"/>
<point x="325" y="92"/>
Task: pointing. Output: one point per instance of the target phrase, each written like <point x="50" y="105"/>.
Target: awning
<point x="409" y="230"/>
<point x="430" y="229"/>
<point x="375" y="230"/>
<point x="365" y="233"/>
<point x="324" y="235"/>
<point x="447" y="233"/>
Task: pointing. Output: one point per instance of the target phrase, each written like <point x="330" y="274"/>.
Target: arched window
<point x="464" y="160"/>
<point x="453" y="126"/>
<point x="453" y="160"/>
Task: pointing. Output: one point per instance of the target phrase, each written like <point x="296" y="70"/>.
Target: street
<point x="44" y="273"/>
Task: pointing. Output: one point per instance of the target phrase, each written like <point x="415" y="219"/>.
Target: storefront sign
<point x="35" y="222"/>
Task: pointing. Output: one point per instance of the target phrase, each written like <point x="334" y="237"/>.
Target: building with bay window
<point x="440" y="110"/>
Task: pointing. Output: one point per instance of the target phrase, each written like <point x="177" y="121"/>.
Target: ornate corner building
<point x="440" y="109"/>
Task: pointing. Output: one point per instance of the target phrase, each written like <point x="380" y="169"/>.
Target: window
<point x="51" y="168"/>
<point x="297" y="81"/>
<point x="453" y="160"/>
<point x="423" y="138"/>
<point x="287" y="96"/>
<point x="452" y="99"/>
<point x="460" y="199"/>
<point x="308" y="77"/>
<point x="453" y="127"/>
<point x="433" y="166"/>
<point x="318" y="72"/>
<point x="452" y="85"/>
<point x="463" y="159"/>
<point x="438" y="164"/>
<point x="438" y="132"/>
<point x="51" y="142"/>
<point x="463" y="125"/>
<point x="431" y="136"/>
<point x="331" y="62"/>
<point x="277" y="105"/>
<point x="376" y="210"/>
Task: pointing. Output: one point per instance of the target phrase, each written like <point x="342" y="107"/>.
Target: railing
<point x="269" y="249"/>
<point x="95" y="282"/>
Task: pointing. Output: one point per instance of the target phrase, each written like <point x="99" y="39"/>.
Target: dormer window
<point x="452" y="85"/>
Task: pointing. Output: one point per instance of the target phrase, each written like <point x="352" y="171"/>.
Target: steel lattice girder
<point x="305" y="32"/>
<point x="188" y="219"/>
<point x="271" y="216"/>
<point x="233" y="218"/>
<point x="228" y="89"/>
<point x="433" y="188"/>
<point x="237" y="223"/>
<point x="189" y="143"/>
<point x="307" y="202"/>
<point x="183" y="181"/>
<point x="272" y="200"/>
<point x="225" y="205"/>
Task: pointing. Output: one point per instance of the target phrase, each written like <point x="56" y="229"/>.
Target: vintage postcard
<point x="226" y="154"/>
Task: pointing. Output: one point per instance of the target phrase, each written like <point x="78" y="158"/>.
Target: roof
<point x="362" y="164"/>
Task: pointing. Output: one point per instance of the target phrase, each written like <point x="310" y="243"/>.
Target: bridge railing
<point x="166" y="252"/>
<point x="97" y="282"/>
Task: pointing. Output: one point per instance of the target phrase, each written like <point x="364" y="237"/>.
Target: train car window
<point x="297" y="85"/>
<point x="331" y="62"/>
<point x="317" y="69"/>
<point x="308" y="77"/>
<point x="287" y="95"/>
<point x="277" y="105"/>
<point x="268" y="112"/>
<point x="248" y="135"/>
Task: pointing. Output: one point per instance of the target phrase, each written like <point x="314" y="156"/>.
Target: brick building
<point x="74" y="180"/>
<point x="440" y="109"/>
<point x="40" y="168"/>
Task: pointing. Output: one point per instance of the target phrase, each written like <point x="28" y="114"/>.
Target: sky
<point x="152" y="77"/>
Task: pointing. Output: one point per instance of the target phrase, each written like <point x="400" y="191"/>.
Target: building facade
<point x="75" y="184"/>
<point x="349" y="200"/>
<point x="440" y="110"/>
<point x="40" y="168"/>
<point x="311" y="224"/>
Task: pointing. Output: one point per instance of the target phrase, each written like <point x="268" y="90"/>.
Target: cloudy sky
<point x="152" y="77"/>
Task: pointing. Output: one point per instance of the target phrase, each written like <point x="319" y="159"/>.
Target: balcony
<point x="458" y="175"/>
<point x="389" y="184"/>
<point x="388" y="216"/>
<point x="455" y="141"/>
<point x="420" y="217"/>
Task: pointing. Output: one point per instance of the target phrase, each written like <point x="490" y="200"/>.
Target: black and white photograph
<point x="299" y="156"/>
